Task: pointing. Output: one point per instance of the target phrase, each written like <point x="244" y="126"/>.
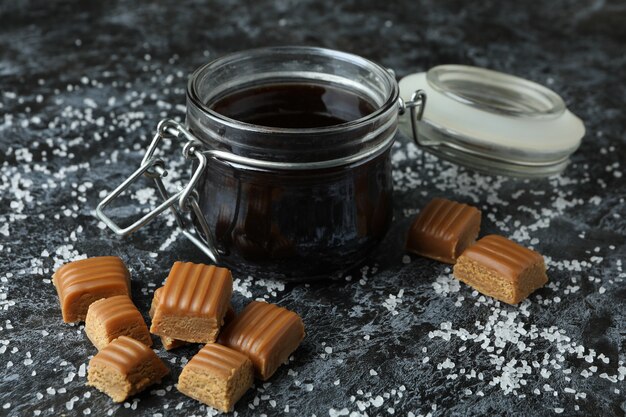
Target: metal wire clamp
<point x="416" y="106"/>
<point x="182" y="201"/>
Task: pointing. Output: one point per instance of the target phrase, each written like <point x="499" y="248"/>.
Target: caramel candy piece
<point x="268" y="334"/>
<point x="443" y="230"/>
<point x="193" y="304"/>
<point x="168" y="342"/>
<point x="109" y="318"/>
<point x="125" y="367"/>
<point x="217" y="376"/>
<point x="502" y="269"/>
<point x="82" y="282"/>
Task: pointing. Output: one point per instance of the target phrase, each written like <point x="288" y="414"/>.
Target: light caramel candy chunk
<point x="168" y="342"/>
<point x="443" y="230"/>
<point x="125" y="367"/>
<point x="109" y="318"/>
<point x="217" y="376"/>
<point x="82" y="282"/>
<point x="502" y="269"/>
<point x="193" y="302"/>
<point x="267" y="333"/>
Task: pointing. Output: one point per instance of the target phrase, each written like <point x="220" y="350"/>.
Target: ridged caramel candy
<point x="443" y="230"/>
<point x="82" y="282"/>
<point x="125" y="367"/>
<point x="217" y="376"/>
<point x="109" y="318"/>
<point x="193" y="302"/>
<point x="268" y="334"/>
<point x="502" y="269"/>
<point x="168" y="342"/>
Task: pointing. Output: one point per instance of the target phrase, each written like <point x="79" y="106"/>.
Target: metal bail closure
<point x="416" y="106"/>
<point x="179" y="203"/>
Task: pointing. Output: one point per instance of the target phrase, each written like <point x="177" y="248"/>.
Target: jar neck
<point x="361" y="137"/>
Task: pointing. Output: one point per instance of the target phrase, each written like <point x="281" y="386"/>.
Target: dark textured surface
<point x="82" y="86"/>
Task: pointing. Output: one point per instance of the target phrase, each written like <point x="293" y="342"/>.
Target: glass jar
<point x="334" y="204"/>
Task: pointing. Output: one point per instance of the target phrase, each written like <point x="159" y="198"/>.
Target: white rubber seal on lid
<point x="492" y="121"/>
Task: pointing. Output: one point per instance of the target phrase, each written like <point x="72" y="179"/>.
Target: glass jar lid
<point x="491" y="121"/>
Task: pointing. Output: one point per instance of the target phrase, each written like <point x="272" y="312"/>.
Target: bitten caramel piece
<point x="193" y="302"/>
<point x="502" y="269"/>
<point x="125" y="367"/>
<point x="268" y="334"/>
<point x="109" y="318"/>
<point x="443" y="230"/>
<point x="82" y="282"/>
<point x="217" y="376"/>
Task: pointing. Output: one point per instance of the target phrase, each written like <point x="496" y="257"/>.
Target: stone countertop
<point x="82" y="86"/>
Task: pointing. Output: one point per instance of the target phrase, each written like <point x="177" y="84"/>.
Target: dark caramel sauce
<point x="299" y="224"/>
<point x="300" y="106"/>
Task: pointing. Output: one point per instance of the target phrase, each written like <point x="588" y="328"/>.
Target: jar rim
<point x="495" y="92"/>
<point x="391" y="99"/>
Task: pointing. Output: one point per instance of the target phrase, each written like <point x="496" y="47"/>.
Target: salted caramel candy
<point x="82" y="282"/>
<point x="443" y="230"/>
<point x="109" y="318"/>
<point x="502" y="269"/>
<point x="265" y="332"/>
<point x="168" y="342"/>
<point x="125" y="367"/>
<point x="217" y="376"/>
<point x="156" y="300"/>
<point x="193" y="302"/>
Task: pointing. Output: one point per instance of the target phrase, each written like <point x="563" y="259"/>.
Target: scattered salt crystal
<point x="377" y="402"/>
<point x="447" y="364"/>
<point x="70" y="404"/>
<point x="89" y="102"/>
